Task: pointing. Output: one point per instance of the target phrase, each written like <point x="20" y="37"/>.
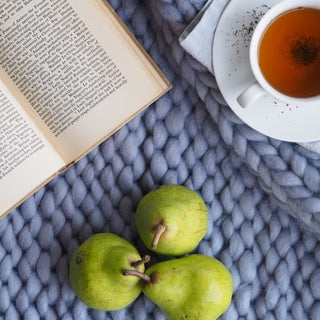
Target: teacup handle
<point x="250" y="95"/>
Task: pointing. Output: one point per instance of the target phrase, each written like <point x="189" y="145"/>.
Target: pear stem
<point x="158" y="231"/>
<point x="138" y="263"/>
<point x="138" y="274"/>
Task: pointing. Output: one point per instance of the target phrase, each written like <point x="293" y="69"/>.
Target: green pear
<point x="96" y="272"/>
<point x="171" y="220"/>
<point x="193" y="287"/>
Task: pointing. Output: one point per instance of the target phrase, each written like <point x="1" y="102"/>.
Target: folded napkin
<point x="197" y="41"/>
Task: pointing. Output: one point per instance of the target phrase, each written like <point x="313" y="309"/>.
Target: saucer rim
<point x="234" y="106"/>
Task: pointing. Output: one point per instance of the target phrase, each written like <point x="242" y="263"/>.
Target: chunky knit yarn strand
<point x="262" y="195"/>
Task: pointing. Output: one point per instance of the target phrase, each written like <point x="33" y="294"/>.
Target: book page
<point x="26" y="158"/>
<point x="76" y="69"/>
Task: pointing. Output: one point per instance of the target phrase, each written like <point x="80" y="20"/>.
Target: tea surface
<point x="289" y="53"/>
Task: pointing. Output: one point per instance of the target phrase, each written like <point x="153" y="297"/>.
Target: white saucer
<point x="233" y="73"/>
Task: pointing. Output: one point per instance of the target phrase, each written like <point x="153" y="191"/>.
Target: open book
<point x="71" y="74"/>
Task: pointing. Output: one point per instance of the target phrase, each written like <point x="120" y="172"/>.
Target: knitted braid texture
<point x="262" y="196"/>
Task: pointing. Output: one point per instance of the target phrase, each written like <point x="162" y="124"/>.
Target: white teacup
<point x="261" y="86"/>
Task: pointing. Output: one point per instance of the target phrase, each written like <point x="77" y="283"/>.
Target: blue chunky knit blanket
<point x="262" y="195"/>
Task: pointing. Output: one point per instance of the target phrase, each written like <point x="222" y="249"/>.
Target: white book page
<point x="77" y="70"/>
<point x="26" y="158"/>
